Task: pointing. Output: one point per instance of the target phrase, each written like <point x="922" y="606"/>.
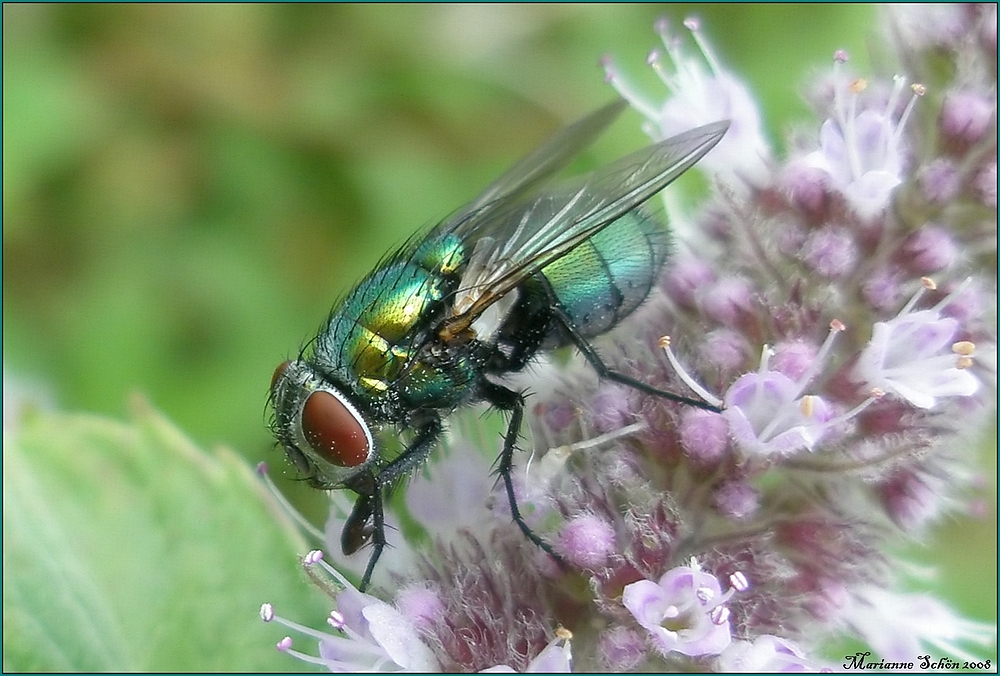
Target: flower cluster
<point x="835" y="308"/>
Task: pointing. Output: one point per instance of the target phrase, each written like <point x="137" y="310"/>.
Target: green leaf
<point x="128" y="548"/>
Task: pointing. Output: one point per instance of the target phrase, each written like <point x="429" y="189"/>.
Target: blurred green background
<point x="188" y="188"/>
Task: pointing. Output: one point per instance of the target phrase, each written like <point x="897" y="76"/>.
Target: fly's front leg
<point x="605" y="371"/>
<point x="367" y="519"/>
<point x="357" y="529"/>
<point x="366" y="523"/>
<point x="509" y="400"/>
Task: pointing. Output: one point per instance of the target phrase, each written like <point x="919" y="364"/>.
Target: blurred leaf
<point x="127" y="548"/>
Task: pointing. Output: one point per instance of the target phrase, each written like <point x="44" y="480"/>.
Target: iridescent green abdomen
<point x="373" y="335"/>
<point x="607" y="277"/>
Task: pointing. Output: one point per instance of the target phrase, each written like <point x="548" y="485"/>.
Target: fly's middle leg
<point x="509" y="400"/>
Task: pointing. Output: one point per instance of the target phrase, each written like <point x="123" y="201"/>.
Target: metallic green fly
<point x="529" y="265"/>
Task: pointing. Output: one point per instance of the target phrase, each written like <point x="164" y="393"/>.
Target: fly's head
<point x="324" y="434"/>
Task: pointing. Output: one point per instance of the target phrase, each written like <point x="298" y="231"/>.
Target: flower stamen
<point x="286" y="506"/>
<point x="709" y="398"/>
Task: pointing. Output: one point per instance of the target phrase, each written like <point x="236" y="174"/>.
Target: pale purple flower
<point x="555" y="658"/>
<point x="769" y="415"/>
<point x="683" y="612"/>
<point x="864" y="160"/>
<point x="915" y="356"/>
<point x="807" y="186"/>
<point x="702" y="91"/>
<point x="863" y="150"/>
<point x="766" y="654"/>
<point x="768" y="412"/>
<point x="611" y="407"/>
<point x="967" y="301"/>
<point x="900" y="626"/>
<point x="382" y="640"/>
<point x="558" y="415"/>
<point x="369" y="634"/>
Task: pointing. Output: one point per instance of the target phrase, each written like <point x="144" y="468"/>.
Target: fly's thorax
<point x="441" y="256"/>
<point x="609" y="275"/>
<point x="443" y="381"/>
<point x="374" y="334"/>
<point x="323" y="431"/>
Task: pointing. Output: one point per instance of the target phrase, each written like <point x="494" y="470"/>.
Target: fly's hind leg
<point x="605" y="371"/>
<point x="508" y="400"/>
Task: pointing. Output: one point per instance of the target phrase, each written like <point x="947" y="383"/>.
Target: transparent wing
<point x="542" y="162"/>
<point x="519" y="233"/>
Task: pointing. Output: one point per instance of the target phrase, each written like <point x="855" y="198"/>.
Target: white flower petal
<point x="399" y="639"/>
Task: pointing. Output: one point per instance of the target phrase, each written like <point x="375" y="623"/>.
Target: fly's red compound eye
<point x="278" y="372"/>
<point x="335" y="431"/>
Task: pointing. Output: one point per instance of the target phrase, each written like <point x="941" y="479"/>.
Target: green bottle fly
<point x="529" y="265"/>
